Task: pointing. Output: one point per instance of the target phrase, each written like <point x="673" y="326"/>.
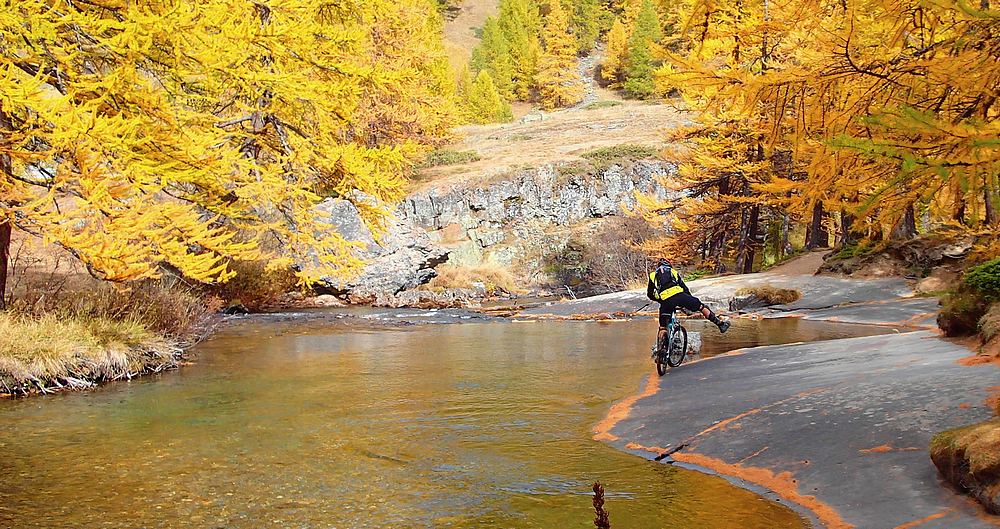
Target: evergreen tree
<point x="484" y="104"/>
<point x="493" y="54"/>
<point x="520" y="24"/>
<point x="558" y="80"/>
<point x="640" y="65"/>
<point x="586" y="24"/>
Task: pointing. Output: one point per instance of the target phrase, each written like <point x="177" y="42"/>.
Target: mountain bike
<point x="671" y="349"/>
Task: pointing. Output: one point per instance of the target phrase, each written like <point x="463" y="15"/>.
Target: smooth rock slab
<point x="851" y="421"/>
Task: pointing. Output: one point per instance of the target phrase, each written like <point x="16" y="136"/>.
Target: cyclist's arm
<point x="651" y="290"/>
<point x="683" y="285"/>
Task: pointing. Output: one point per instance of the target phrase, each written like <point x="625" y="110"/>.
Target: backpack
<point x="666" y="279"/>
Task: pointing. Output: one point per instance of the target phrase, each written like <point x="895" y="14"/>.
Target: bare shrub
<point x="254" y="286"/>
<point x="614" y="257"/>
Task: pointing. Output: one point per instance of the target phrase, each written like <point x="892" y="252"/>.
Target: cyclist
<point x="666" y="286"/>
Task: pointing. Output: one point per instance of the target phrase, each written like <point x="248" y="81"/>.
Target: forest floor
<point x="840" y="428"/>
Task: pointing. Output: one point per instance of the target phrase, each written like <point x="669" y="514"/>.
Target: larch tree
<point x="520" y="23"/>
<point x="484" y="104"/>
<point x="184" y="136"/>
<point x="586" y="24"/>
<point x="559" y="82"/>
<point x="727" y="160"/>
<point x="493" y="55"/>
<point x="616" y="55"/>
<point x="640" y="64"/>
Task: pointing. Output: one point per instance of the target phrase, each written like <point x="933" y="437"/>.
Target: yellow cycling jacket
<point x="676" y="289"/>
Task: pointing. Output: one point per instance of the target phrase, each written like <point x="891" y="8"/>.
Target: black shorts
<point x="682" y="300"/>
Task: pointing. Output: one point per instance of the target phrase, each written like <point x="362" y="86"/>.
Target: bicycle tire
<point x="678" y="347"/>
<point x="660" y="358"/>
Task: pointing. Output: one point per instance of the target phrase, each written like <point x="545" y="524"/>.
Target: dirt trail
<point x="805" y="265"/>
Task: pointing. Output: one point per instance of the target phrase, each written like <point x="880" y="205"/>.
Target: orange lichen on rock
<point x="622" y="409"/>
<point x="654" y="449"/>
<point x="782" y="484"/>
<point x="882" y="449"/>
<point x="931" y="518"/>
<point x="728" y="423"/>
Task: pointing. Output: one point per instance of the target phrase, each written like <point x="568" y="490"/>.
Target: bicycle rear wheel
<point x="678" y="346"/>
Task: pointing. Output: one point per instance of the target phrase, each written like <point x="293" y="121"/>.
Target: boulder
<point x="403" y="257"/>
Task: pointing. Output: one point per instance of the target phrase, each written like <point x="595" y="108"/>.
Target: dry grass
<point x="170" y="309"/>
<point x="771" y="295"/>
<point x="561" y="137"/>
<point x="989" y="324"/>
<point x="494" y="278"/>
<point x="51" y="352"/>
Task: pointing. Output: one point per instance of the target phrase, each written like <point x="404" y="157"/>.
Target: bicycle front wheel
<point x="678" y="346"/>
<point x="660" y="358"/>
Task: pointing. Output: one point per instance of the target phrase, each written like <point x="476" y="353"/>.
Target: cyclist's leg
<point x="666" y="313"/>
<point x="694" y="304"/>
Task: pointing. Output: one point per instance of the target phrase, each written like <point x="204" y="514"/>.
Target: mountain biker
<point x="666" y="286"/>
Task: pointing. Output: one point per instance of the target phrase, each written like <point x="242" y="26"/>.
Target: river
<point x="320" y="422"/>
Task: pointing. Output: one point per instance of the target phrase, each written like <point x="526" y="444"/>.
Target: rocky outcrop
<point x="510" y="220"/>
<point x="402" y="258"/>
<point x="519" y="219"/>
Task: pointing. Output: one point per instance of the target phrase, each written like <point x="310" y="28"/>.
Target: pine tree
<point x="520" y="24"/>
<point x="559" y="82"/>
<point x="586" y="24"/>
<point x="484" y="104"/>
<point x="493" y="54"/>
<point x="640" y="64"/>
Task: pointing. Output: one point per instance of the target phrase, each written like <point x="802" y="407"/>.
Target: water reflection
<point x="318" y="425"/>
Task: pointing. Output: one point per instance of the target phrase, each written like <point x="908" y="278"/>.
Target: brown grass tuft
<point x="771" y="295"/>
<point x="989" y="324"/>
<point x="496" y="279"/>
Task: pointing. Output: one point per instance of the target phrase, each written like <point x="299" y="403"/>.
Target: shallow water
<point x="322" y="424"/>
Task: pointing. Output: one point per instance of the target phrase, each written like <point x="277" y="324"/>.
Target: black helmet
<point x="663" y="262"/>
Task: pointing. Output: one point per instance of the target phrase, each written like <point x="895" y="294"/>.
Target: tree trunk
<point x="5" y="230"/>
<point x="847" y="235"/>
<point x="906" y="229"/>
<point x="748" y="242"/>
<point x="818" y="236"/>
<point x="786" y="244"/>
<point x="991" y="212"/>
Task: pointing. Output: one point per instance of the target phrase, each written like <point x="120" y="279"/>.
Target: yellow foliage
<point x="559" y="82"/>
<point x="183" y="134"/>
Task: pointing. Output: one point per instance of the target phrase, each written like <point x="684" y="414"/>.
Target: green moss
<point x="961" y="311"/>
<point x="443" y="157"/>
<point x="603" y="104"/>
<point x="856" y="249"/>
<point x="607" y="156"/>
